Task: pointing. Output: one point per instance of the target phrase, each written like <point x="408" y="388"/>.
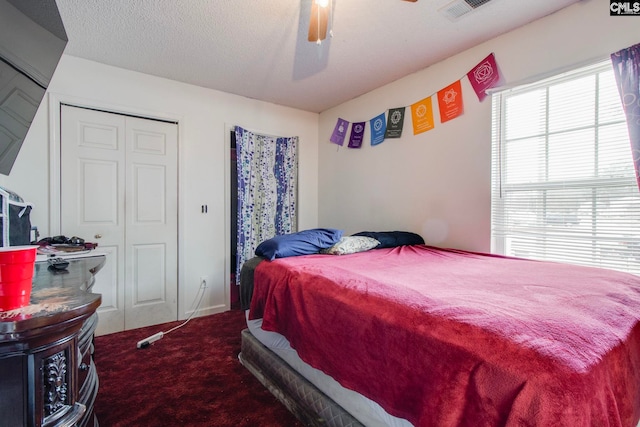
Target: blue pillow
<point x="301" y="243"/>
<point x="391" y="239"/>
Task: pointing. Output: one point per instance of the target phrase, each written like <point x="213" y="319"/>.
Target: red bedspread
<point x="449" y="338"/>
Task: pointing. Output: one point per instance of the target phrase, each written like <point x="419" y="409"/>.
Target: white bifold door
<point x="119" y="188"/>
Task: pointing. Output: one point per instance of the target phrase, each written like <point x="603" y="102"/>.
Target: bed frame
<point x="310" y="405"/>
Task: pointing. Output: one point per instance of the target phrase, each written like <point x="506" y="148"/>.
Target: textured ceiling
<point x="259" y="49"/>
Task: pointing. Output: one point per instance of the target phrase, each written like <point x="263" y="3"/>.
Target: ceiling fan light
<point x="318" y="20"/>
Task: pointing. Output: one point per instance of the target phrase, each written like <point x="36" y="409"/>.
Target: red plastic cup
<point x="16" y="274"/>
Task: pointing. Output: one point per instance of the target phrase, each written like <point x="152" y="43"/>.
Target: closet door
<point x="119" y="189"/>
<point x="151" y="223"/>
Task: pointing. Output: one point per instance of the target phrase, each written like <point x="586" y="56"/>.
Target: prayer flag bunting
<point x="378" y="127"/>
<point x="483" y="76"/>
<point x="450" y="102"/>
<point x="422" y="116"/>
<point x="395" y="123"/>
<point x="340" y="131"/>
<point x="357" y="135"/>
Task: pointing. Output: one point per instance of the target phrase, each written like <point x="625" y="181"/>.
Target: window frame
<point x="500" y="188"/>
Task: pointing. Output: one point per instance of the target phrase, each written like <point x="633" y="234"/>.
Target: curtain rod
<point x="542" y="76"/>
<point x="261" y="133"/>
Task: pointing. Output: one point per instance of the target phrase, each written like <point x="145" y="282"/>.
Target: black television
<point x="32" y="40"/>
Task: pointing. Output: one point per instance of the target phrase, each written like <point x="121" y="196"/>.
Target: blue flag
<point x="378" y="128"/>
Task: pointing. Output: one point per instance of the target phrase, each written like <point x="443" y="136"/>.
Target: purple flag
<point x="378" y="127"/>
<point x="483" y="76"/>
<point x="340" y="131"/>
<point x="357" y="135"/>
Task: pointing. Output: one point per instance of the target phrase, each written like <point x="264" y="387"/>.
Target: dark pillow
<point x="301" y="243"/>
<point x="391" y="239"/>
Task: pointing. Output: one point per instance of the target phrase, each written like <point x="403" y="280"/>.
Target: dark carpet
<point x="191" y="377"/>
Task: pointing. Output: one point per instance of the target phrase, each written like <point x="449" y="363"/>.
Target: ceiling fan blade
<point x="412" y="1"/>
<point x="318" y="22"/>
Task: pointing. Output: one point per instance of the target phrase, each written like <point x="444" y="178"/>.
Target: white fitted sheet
<point x="365" y="410"/>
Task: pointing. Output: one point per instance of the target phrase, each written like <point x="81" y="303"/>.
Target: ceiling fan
<point x="318" y="21"/>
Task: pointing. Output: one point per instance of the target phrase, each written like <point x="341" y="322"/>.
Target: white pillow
<point x="351" y="245"/>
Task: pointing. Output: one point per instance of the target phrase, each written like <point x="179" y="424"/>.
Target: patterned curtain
<point x="267" y="190"/>
<point x="626" y="67"/>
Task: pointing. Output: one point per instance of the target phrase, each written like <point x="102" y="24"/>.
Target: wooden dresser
<point x="47" y="374"/>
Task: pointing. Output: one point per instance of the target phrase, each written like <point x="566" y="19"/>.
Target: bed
<point x="425" y="336"/>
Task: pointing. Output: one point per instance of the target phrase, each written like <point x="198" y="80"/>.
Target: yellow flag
<point x="422" y="116"/>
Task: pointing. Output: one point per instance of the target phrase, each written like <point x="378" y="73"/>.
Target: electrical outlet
<point x="205" y="281"/>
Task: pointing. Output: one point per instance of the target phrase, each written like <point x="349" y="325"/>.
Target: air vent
<point x="476" y="3"/>
<point x="457" y="8"/>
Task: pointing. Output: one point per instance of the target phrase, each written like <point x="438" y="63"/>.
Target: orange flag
<point x="422" y="116"/>
<point x="450" y="102"/>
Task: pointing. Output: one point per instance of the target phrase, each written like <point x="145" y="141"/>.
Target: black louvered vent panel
<point x="476" y="3"/>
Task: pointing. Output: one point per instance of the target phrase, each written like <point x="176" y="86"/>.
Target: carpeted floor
<point x="191" y="377"/>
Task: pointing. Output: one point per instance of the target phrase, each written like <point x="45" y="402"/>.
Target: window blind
<point x="563" y="186"/>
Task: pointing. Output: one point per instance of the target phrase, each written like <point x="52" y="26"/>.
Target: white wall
<point x="203" y="116"/>
<point x="438" y="183"/>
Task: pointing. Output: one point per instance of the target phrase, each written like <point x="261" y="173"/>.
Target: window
<point x="563" y="183"/>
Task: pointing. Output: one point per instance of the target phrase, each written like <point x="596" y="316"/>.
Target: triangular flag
<point x="378" y="127"/>
<point x="395" y="123"/>
<point x="339" y="132"/>
<point x="483" y="76"/>
<point x="450" y="102"/>
<point x="422" y="116"/>
<point x="357" y="135"/>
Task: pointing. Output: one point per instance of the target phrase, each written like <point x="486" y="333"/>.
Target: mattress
<point x="364" y="410"/>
